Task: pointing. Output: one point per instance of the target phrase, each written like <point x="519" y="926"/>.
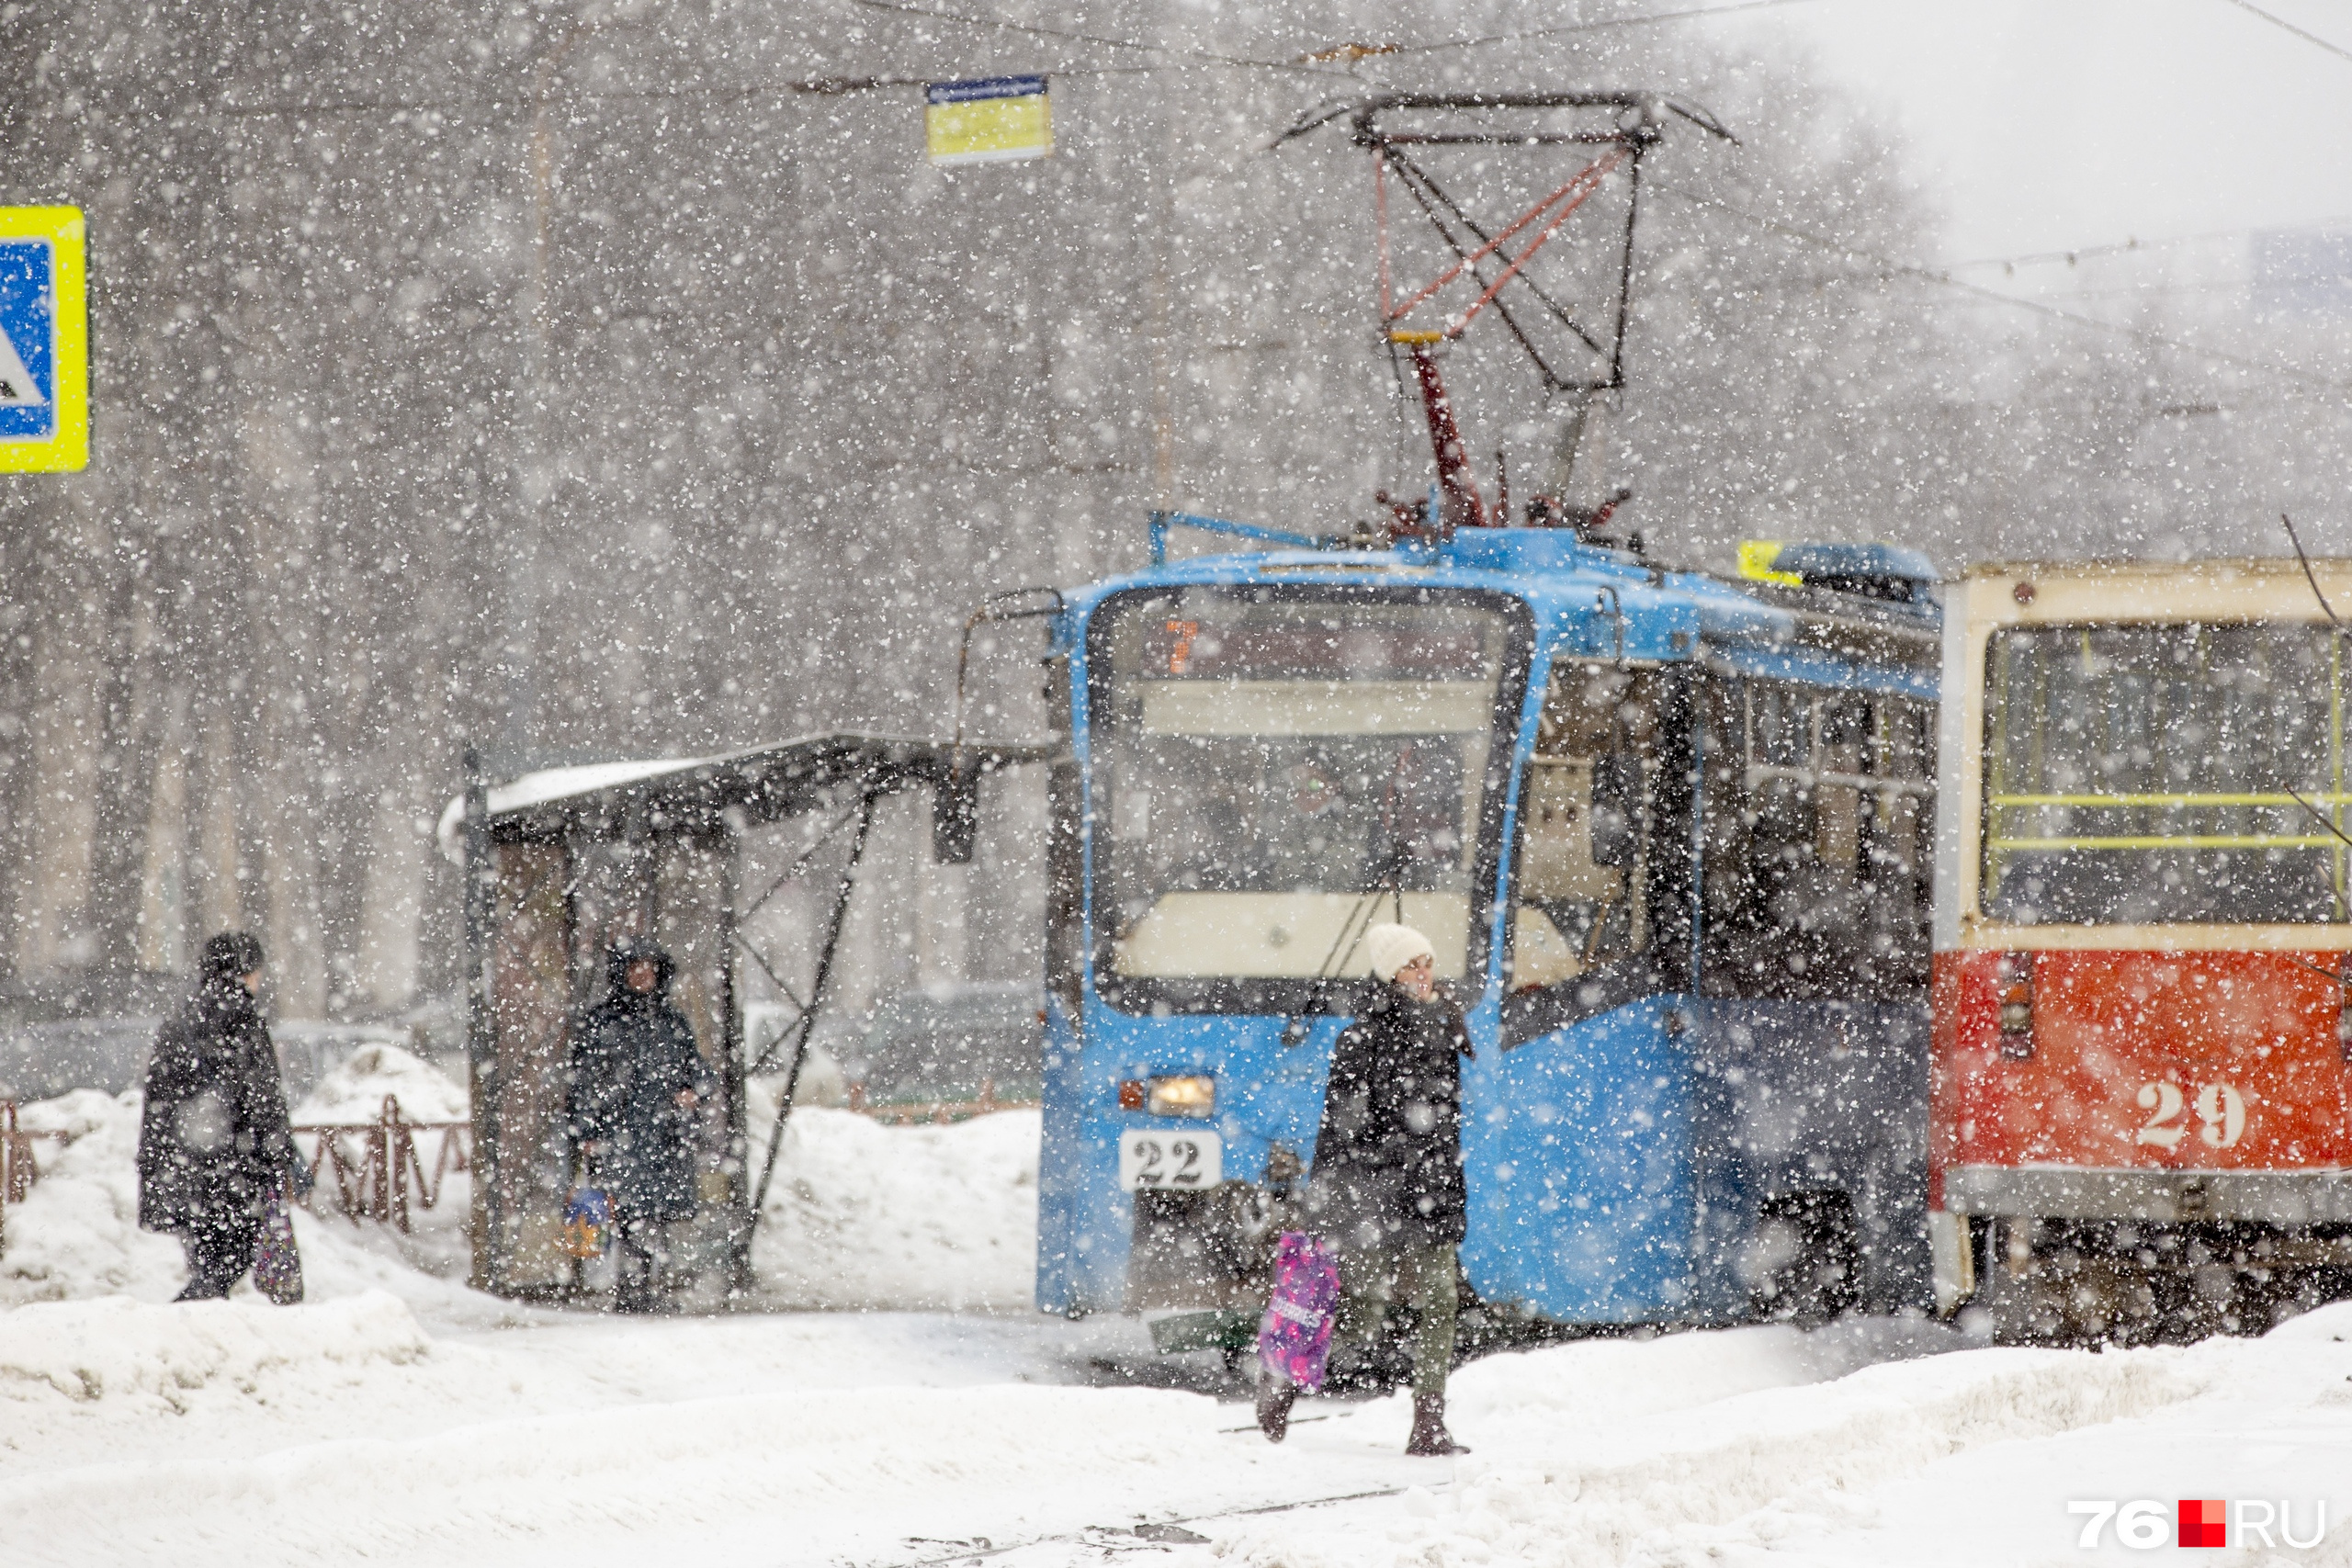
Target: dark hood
<point x="624" y="954"/>
<point x="228" y="956"/>
<point x="219" y="995"/>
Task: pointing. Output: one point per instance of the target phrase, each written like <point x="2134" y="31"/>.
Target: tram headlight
<point x="2014" y="978"/>
<point x="1191" y="1094"/>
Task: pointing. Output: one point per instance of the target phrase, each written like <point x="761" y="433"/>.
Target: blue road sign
<point x="44" y="339"/>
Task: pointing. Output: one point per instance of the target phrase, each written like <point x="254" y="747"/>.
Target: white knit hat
<point x="1391" y="947"/>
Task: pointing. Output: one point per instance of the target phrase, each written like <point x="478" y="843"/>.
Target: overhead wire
<point x="2285" y="26"/>
<point x="2135" y="245"/>
<point x="821" y="85"/>
<point x="1350" y="52"/>
<point x="815" y="85"/>
<point x="1893" y="268"/>
<point x="1605" y="24"/>
<point x="1005" y="24"/>
<point x="1312" y="64"/>
<point x="818" y="86"/>
<point x="2167" y="290"/>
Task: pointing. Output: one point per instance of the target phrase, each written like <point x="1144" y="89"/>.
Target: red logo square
<point x="2204" y="1521"/>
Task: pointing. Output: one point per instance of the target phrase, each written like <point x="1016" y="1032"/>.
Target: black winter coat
<point x="213" y="1139"/>
<point x="1388" y="1154"/>
<point x="634" y="1052"/>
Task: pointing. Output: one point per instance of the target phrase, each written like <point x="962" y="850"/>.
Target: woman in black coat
<point x="636" y="1081"/>
<point x="1386" y="1191"/>
<point x="214" y="1142"/>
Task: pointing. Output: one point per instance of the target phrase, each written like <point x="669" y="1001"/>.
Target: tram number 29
<point x="1177" y="1161"/>
<point x="2220" y="1113"/>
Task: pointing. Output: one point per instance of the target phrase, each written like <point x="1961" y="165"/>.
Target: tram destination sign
<point x="44" y="341"/>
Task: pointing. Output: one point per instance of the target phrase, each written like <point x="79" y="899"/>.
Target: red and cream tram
<point x="2142" y="1047"/>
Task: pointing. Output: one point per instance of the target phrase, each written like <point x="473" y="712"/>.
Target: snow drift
<point x="859" y="1216"/>
<point x="119" y="1350"/>
<point x="863" y="1215"/>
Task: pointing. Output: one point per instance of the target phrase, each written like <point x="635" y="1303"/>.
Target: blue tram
<point x="1667" y="831"/>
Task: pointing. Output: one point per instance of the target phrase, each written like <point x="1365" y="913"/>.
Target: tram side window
<point x="1585" y="819"/>
<point x="2151" y="773"/>
<point x="1819" y="816"/>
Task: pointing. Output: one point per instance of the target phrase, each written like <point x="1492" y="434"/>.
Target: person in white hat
<point x="1386" y="1189"/>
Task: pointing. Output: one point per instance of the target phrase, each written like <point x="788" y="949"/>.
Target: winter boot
<point x="1430" y="1439"/>
<point x="1275" y="1395"/>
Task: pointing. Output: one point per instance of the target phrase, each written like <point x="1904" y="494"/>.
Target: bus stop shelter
<point x="562" y="865"/>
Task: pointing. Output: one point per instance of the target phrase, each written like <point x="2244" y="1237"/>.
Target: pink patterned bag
<point x="278" y="1263"/>
<point x="1294" y="1336"/>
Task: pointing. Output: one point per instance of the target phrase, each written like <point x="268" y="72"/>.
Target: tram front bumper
<point x="2082" y="1192"/>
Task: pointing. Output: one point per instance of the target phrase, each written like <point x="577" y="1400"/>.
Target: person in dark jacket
<point x="214" y="1141"/>
<point x="1386" y="1189"/>
<point x="636" y="1081"/>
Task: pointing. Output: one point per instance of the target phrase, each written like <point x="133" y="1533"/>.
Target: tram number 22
<point x="2220" y="1114"/>
<point x="1185" y="1161"/>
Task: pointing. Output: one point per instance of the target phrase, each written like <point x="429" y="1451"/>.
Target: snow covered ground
<point x="861" y="1215"/>
<point x="858" y="1216"/>
<point x="399" y="1419"/>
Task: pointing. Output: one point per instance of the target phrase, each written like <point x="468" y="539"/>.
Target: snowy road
<point x="402" y="1419"/>
<point x="239" y="1433"/>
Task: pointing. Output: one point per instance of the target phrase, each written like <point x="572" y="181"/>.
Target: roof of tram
<point x="1622" y="605"/>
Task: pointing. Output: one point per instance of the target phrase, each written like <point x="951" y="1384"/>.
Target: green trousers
<point x="1419" y="1277"/>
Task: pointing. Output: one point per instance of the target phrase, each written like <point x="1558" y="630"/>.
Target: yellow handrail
<point x="2330" y="798"/>
<point x="2162" y="842"/>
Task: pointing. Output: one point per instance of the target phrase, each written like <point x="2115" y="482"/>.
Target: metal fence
<point x="19" y="1170"/>
<point x="378" y="1168"/>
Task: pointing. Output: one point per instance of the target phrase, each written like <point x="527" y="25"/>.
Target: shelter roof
<point x="690" y="795"/>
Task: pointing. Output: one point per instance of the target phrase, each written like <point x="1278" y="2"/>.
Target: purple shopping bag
<point x="1294" y="1336"/>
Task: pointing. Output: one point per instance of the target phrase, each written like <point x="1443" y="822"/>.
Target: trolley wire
<point x="1893" y="268"/>
<point x="2285" y="26"/>
<point x="1314" y="64"/>
<point x="1293" y="67"/>
<point x="2134" y="244"/>
<point x="1352" y="52"/>
<point x="1603" y="25"/>
<point x="819" y="85"/>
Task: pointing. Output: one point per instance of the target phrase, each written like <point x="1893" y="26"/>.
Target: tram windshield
<point x="1274" y="768"/>
<point x="2140" y="775"/>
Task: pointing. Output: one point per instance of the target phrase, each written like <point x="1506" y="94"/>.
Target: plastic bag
<point x="587" y="1222"/>
<point x="1294" y="1336"/>
<point x="277" y="1264"/>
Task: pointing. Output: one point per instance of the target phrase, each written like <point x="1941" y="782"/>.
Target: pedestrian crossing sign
<point x="993" y="120"/>
<point x="44" y="341"/>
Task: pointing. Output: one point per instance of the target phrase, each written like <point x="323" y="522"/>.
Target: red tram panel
<point x="2246" y="1043"/>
